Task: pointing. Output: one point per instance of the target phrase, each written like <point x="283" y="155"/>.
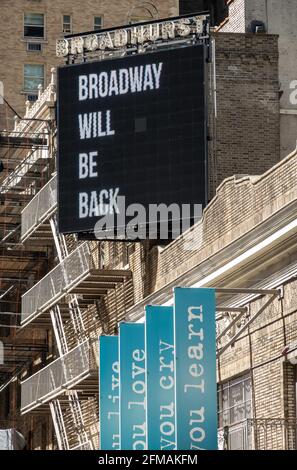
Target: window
<point x="33" y="76"/>
<point x="34" y="25"/>
<point x="67" y="24"/>
<point x="32" y="97"/>
<point x="98" y="23"/>
<point x="138" y="19"/>
<point x="235" y="407"/>
<point x="34" y="47"/>
<point x="234" y="401"/>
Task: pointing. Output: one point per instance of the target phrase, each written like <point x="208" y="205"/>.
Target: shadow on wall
<point x="1" y="353"/>
<point x="218" y="9"/>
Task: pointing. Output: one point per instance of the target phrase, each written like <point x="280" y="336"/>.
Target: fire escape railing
<point x="39" y="209"/>
<point x="260" y="434"/>
<point x="63" y="373"/>
<point x="52" y="287"/>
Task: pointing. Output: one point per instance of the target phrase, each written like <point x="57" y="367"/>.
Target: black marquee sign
<point x="133" y="127"/>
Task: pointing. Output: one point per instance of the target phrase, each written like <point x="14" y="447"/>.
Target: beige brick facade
<point x="246" y="238"/>
<point x="13" y="53"/>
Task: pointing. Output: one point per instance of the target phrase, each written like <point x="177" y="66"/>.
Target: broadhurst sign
<point x="131" y="129"/>
<point x="167" y="389"/>
<point x="143" y="34"/>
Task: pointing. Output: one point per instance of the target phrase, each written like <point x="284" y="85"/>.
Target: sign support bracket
<point x="273" y="294"/>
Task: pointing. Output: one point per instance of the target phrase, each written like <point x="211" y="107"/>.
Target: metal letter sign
<point x="195" y="368"/>
<point x="132" y="387"/>
<point x="159" y="346"/>
<point x="109" y="393"/>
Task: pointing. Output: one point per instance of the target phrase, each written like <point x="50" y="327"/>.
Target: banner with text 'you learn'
<point x="195" y="369"/>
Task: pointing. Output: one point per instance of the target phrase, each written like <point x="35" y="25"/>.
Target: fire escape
<point x="64" y="299"/>
<point x="25" y="164"/>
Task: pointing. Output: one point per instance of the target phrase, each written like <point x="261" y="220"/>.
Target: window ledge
<point x="23" y="92"/>
<point x="38" y="40"/>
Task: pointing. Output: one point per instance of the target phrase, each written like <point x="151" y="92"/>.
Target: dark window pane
<point x="97" y="23"/>
<point x="34" y="31"/>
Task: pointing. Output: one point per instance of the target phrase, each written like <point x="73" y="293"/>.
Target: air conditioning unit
<point x="34" y="47"/>
<point x="32" y="98"/>
<point x="257" y="26"/>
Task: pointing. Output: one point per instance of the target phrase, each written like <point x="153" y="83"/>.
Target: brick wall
<point x="260" y="352"/>
<point x="13" y="47"/>
<point x="240" y="205"/>
<point x="245" y="133"/>
<point x="279" y="18"/>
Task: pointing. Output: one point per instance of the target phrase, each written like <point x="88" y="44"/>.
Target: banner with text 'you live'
<point x="132" y="386"/>
<point x="195" y="369"/>
<point x="109" y="401"/>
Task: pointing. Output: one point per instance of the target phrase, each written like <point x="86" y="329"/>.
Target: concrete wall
<point x="235" y="22"/>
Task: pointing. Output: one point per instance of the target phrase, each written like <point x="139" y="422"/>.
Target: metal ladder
<point x="78" y="419"/>
<point x="59" y="425"/>
<point x="61" y="340"/>
<point x="77" y="319"/>
<point x="59" y="331"/>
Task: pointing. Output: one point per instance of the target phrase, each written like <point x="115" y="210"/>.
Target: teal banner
<point x="109" y="393"/>
<point x="132" y="387"/>
<point x="195" y="369"/>
<point x="159" y="345"/>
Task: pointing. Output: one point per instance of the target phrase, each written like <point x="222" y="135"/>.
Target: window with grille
<point x="234" y="399"/>
<point x="34" y="25"/>
<point x="32" y="97"/>
<point x="235" y="407"/>
<point x="67" y="24"/>
<point x="34" y="47"/>
<point x="33" y="76"/>
<point x="98" y="23"/>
